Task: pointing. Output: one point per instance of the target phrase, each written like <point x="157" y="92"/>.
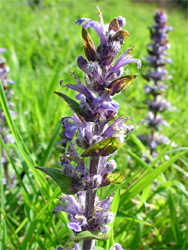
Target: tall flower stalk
<point x="4" y="129"/>
<point x="96" y="129"/>
<point x="156" y="76"/>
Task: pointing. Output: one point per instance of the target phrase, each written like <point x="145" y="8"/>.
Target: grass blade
<point x="47" y="152"/>
<point x="22" y="147"/>
<point x="146" y="179"/>
<point x="114" y="208"/>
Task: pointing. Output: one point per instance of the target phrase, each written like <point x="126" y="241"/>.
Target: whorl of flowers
<point x="156" y="76"/>
<point x="96" y="129"/>
<point x="4" y="129"/>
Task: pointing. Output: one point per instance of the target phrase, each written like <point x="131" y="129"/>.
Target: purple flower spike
<point x="96" y="129"/>
<point x="4" y="129"/>
<point x="156" y="76"/>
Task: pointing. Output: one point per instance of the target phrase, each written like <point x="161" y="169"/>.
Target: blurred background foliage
<point x="42" y="45"/>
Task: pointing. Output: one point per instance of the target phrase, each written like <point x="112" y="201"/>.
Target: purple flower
<point x="59" y="248"/>
<point x="76" y="212"/>
<point x="117" y="247"/>
<point x="73" y="123"/>
<point x="118" y="126"/>
<point x="123" y="60"/>
<point x="105" y="102"/>
<point x="155" y="121"/>
<point x="99" y="28"/>
<point x="155" y="90"/>
<point x="158" y="105"/>
<point x="94" y="127"/>
<point x="156" y="60"/>
<point x="154" y="141"/>
<point x="4" y="129"/>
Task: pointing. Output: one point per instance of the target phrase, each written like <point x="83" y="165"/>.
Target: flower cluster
<point x="156" y="76"/>
<point x="76" y="212"/>
<point x="4" y="129"/>
<point x="95" y="128"/>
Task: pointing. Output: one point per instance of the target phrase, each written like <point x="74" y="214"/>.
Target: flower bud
<point x="105" y="229"/>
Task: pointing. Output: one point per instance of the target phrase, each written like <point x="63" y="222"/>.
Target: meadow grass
<point x="42" y="46"/>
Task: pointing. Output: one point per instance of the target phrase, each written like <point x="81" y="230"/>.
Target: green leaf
<point x="86" y="235"/>
<point x="103" y="148"/>
<point x="3" y="232"/>
<point x="63" y="181"/>
<point x="114" y="208"/>
<point x="99" y="248"/>
<point x="147" y="178"/>
<point x="40" y="218"/>
<point x="47" y="152"/>
<point x="136" y="158"/>
<point x="141" y="146"/>
<point x="130" y="218"/>
<point x="5" y="218"/>
<point x="22" y="147"/>
<point x="137" y="237"/>
<point x="72" y="104"/>
<point x="176" y="229"/>
<point x="116" y="178"/>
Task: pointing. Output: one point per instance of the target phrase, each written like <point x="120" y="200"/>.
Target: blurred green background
<point x="42" y="43"/>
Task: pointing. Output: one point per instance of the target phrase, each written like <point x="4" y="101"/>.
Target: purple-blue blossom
<point x="95" y="128"/>
<point x="4" y="129"/>
<point x="75" y="207"/>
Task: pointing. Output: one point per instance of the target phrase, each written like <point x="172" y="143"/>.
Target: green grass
<point x="42" y="46"/>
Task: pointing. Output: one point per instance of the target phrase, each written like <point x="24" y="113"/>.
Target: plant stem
<point x="90" y="198"/>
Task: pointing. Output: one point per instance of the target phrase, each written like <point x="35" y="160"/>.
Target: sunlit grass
<point x="42" y="46"/>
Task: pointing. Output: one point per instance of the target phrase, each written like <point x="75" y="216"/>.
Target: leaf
<point x="176" y="229"/>
<point x="147" y="178"/>
<point x="114" y="25"/>
<point x="116" y="178"/>
<point x="63" y="181"/>
<point x="40" y="217"/>
<point x="120" y="35"/>
<point x="89" y="47"/>
<point x="103" y="148"/>
<point x="86" y="235"/>
<point x="114" y="208"/>
<point x="47" y="152"/>
<point x="141" y="146"/>
<point x="22" y="147"/>
<point x="137" y="237"/>
<point x="72" y="104"/>
<point x="99" y="248"/>
<point x="146" y="77"/>
<point x="130" y="218"/>
<point x="121" y="83"/>
<point x="136" y="158"/>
